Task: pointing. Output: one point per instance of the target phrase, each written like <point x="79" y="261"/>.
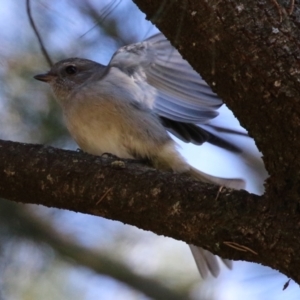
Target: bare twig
<point x="285" y="286"/>
<point x="240" y="247"/>
<point x="279" y="9"/>
<point x="104" y="195"/>
<point x="106" y="12"/>
<point x="219" y="191"/>
<point x="44" y="51"/>
<point x="292" y="6"/>
<point x="282" y="10"/>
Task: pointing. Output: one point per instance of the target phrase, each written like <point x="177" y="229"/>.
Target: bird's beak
<point x="44" y="77"/>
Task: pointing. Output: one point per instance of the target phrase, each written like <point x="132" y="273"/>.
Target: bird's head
<point x="68" y="75"/>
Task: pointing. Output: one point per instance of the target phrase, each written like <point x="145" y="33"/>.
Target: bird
<point x="128" y="107"/>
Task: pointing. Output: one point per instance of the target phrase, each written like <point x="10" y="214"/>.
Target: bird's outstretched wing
<point x="181" y="94"/>
<point x="175" y="91"/>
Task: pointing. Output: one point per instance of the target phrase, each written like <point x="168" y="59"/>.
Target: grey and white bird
<point x="127" y="107"/>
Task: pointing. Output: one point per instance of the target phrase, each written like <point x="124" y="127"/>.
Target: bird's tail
<point x="207" y="263"/>
<point x="233" y="183"/>
<point x="170" y="158"/>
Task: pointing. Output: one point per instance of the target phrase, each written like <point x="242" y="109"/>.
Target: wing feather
<point x="174" y="90"/>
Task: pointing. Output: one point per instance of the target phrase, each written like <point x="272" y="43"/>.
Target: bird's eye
<point x="71" y="70"/>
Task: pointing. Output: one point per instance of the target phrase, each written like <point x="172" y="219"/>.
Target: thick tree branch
<point x="165" y="203"/>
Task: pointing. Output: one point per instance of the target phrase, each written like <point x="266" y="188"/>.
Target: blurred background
<point x="28" y="113"/>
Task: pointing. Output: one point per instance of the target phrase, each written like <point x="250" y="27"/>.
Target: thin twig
<point x="286" y="284"/>
<point x="106" y="12"/>
<point x="278" y="9"/>
<point x="104" y="195"/>
<point x="219" y="191"/>
<point x="240" y="247"/>
<point x="292" y="6"/>
<point x="44" y="51"/>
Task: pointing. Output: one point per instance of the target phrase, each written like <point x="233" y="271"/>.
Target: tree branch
<point x="165" y="203"/>
<point x="38" y="36"/>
